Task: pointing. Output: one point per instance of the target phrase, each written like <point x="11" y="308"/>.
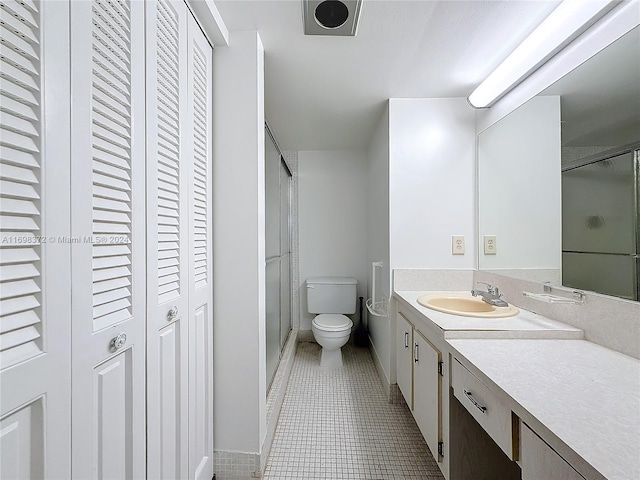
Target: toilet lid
<point x="332" y="322"/>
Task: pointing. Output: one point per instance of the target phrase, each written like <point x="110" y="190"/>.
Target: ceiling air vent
<point x="338" y="18"/>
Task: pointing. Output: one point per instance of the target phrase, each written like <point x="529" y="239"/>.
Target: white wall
<point x="519" y="190"/>
<point x="422" y="176"/>
<point x="332" y="219"/>
<point x="431" y="182"/>
<point x="378" y="236"/>
<point x="239" y="257"/>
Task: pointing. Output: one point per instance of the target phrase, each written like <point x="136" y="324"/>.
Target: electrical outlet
<point x="490" y="246"/>
<point x="457" y="244"/>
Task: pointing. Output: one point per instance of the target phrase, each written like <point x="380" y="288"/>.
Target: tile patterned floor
<point x="337" y="424"/>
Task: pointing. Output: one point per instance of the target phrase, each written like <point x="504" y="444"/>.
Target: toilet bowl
<point x="330" y="298"/>
<point x="332" y="332"/>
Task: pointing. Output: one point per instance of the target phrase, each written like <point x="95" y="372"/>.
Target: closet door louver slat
<point x="10" y="155"/>
<point x="200" y="233"/>
<point x="12" y="38"/>
<point x="111" y="149"/>
<point x="20" y="185"/>
<point x="168" y="132"/>
<point x="17" y="108"/>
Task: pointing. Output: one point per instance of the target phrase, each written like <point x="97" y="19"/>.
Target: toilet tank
<point x="331" y="295"/>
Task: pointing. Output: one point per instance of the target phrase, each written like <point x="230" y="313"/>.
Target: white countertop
<point x="524" y="325"/>
<point x="586" y="395"/>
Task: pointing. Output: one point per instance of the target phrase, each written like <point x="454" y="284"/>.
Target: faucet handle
<point x="485" y="283"/>
<point x="490" y="288"/>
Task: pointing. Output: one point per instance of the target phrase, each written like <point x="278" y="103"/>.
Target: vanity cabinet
<point x="427" y="388"/>
<point x="511" y="402"/>
<point x="404" y="358"/>
<point x="539" y="461"/>
<point x="419" y="370"/>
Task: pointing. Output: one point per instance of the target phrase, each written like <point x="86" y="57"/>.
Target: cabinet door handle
<point x="415" y="352"/>
<point x="474" y="401"/>
<point x="406" y="339"/>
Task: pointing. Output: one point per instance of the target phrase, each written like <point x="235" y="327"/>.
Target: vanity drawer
<point x="492" y="415"/>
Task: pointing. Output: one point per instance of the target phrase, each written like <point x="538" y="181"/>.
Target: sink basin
<point x="466" y="305"/>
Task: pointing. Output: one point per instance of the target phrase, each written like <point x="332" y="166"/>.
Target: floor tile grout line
<point x="336" y="423"/>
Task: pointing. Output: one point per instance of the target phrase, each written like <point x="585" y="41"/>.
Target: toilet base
<point x="331" y="358"/>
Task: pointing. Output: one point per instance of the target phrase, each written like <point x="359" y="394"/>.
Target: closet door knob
<point x="118" y="341"/>
<point x="173" y="313"/>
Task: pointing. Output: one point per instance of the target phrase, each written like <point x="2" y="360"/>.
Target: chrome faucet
<point x="491" y="296"/>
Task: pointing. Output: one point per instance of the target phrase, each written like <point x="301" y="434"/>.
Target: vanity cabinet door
<point x="540" y="462"/>
<point x="426" y="391"/>
<point x="404" y="357"/>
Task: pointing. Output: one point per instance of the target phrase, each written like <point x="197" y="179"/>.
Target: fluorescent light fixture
<point x="564" y="24"/>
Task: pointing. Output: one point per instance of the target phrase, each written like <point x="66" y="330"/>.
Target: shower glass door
<point x="277" y="248"/>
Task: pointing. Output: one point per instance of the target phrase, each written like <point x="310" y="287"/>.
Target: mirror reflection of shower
<point x="579" y="228"/>
<point x="600" y="218"/>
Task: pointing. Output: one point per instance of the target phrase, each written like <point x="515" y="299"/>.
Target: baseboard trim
<point x="236" y="465"/>
<point x="376" y="361"/>
<point x="305" y="336"/>
<point x="276" y="394"/>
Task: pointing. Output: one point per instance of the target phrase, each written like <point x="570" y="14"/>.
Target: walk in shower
<point x="278" y="252"/>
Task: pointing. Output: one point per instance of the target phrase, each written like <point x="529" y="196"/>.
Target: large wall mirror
<point x="558" y="180"/>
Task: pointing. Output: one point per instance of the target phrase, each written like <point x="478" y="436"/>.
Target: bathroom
<point x="383" y="180"/>
<point x="414" y="177"/>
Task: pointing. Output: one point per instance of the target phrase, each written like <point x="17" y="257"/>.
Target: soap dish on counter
<point x="577" y="297"/>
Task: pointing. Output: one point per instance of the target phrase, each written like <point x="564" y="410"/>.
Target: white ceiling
<point x="326" y="93"/>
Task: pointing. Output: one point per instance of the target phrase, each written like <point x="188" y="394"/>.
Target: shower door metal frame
<point x="283" y="336"/>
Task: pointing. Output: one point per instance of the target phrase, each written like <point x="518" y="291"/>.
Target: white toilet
<point x="331" y="298"/>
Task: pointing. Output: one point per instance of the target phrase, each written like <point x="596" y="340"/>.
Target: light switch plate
<point x="490" y="246"/>
<point x="457" y="244"/>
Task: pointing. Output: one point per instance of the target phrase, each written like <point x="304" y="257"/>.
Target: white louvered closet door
<point x="35" y="298"/>
<point x="167" y="240"/>
<point x="200" y="254"/>
<point x="108" y="218"/>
